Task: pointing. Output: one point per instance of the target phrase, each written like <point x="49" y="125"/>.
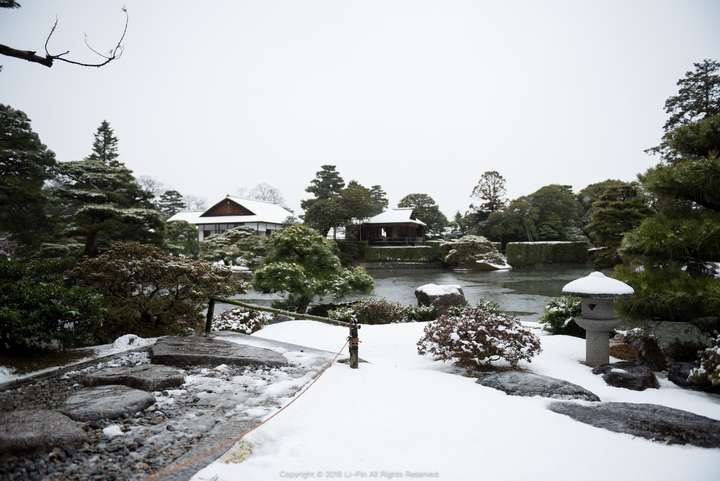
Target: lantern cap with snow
<point x="597" y="314"/>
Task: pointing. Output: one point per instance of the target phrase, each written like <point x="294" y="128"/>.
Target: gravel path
<point x="184" y="430"/>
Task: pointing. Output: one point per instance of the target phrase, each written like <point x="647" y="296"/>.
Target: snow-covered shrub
<point x="559" y="316"/>
<point x="372" y="311"/>
<point x="709" y="369"/>
<point x="241" y="320"/>
<point x="239" y="246"/>
<point x="474" y="337"/>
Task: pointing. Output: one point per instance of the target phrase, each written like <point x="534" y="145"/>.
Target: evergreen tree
<point x="301" y="264"/>
<point x="379" y="199"/>
<point x="170" y="203"/>
<point x="667" y="254"/>
<point x="552" y="213"/>
<point x="698" y="97"/>
<point x="617" y="210"/>
<point x="103" y="202"/>
<point x="326" y="184"/>
<point x="25" y="165"/>
<point x="491" y="190"/>
<point x="425" y="209"/>
<point x="325" y="214"/>
<point x="357" y="201"/>
<point x="105" y="145"/>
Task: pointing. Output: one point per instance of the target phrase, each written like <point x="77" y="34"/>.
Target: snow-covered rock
<point x="130" y="341"/>
<point x="523" y="383"/>
<point x="440" y="296"/>
<point x="112" y="431"/>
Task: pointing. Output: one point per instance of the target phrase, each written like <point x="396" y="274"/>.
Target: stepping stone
<point x="628" y="375"/>
<point x="649" y="421"/>
<point x="148" y="377"/>
<point x="520" y="383"/>
<point x="38" y="428"/>
<point x="200" y="350"/>
<point x="106" y="402"/>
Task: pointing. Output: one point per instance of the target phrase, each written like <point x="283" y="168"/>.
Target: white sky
<point x="417" y="96"/>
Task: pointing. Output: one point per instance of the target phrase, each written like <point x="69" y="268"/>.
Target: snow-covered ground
<point x="405" y="416"/>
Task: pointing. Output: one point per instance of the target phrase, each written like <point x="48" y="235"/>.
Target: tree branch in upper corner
<point x="49" y="59"/>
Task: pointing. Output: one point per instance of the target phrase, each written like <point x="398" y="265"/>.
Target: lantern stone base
<point x="597" y="339"/>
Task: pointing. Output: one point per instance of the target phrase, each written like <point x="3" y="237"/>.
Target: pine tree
<point x="617" y="210"/>
<point x="101" y="203"/>
<point x="667" y="255"/>
<point x="326" y="184"/>
<point x="379" y="199"/>
<point x="105" y="145"/>
<point x="25" y="165"/>
<point x="170" y="203"/>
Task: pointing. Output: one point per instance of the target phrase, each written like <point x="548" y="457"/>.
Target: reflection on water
<point x="523" y="292"/>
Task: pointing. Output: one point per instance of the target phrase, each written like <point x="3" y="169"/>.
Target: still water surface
<point x="522" y="292"/>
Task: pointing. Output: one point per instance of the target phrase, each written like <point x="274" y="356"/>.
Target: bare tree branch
<point x="49" y="59"/>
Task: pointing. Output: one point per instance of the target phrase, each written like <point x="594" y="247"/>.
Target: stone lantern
<point x="598" y="293"/>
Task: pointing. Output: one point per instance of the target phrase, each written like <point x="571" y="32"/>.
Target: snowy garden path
<point x="404" y="414"/>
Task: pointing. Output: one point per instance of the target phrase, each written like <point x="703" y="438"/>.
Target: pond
<point x="521" y="292"/>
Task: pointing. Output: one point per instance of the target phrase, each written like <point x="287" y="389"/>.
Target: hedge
<point x="520" y="254"/>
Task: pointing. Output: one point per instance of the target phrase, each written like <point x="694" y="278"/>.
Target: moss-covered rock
<point x="521" y="254"/>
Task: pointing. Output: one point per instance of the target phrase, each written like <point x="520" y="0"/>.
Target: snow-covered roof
<point x="394" y="216"/>
<point x="262" y="212"/>
<point x="598" y="284"/>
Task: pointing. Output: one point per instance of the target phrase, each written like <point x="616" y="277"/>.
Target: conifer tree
<point x="25" y="165"/>
<point x="171" y="202"/>
<point x="105" y="145"/>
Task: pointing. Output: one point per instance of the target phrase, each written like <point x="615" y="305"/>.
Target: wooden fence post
<point x="354" y="345"/>
<point x="210" y="315"/>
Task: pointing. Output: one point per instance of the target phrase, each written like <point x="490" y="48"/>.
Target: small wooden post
<point x="210" y="315"/>
<point x="354" y="345"/>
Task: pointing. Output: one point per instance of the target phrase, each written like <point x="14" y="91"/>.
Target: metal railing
<point x="353" y="341"/>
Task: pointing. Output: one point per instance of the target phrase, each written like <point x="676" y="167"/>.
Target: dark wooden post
<point x="354" y="345"/>
<point x="210" y="315"/>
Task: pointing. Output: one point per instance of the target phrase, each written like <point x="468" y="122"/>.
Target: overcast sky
<point x="418" y="96"/>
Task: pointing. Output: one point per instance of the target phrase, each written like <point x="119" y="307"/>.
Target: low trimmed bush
<point x="241" y="320"/>
<point x="371" y="311"/>
<point x="474" y="337"/>
<point x="559" y="316"/>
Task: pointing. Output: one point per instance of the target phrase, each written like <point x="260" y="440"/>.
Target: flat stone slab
<point x="148" y="377"/>
<point x="106" y="402"/>
<point x="38" y="428"/>
<point x="628" y="375"/>
<point x="649" y="421"/>
<point x="200" y="350"/>
<point x="520" y="383"/>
